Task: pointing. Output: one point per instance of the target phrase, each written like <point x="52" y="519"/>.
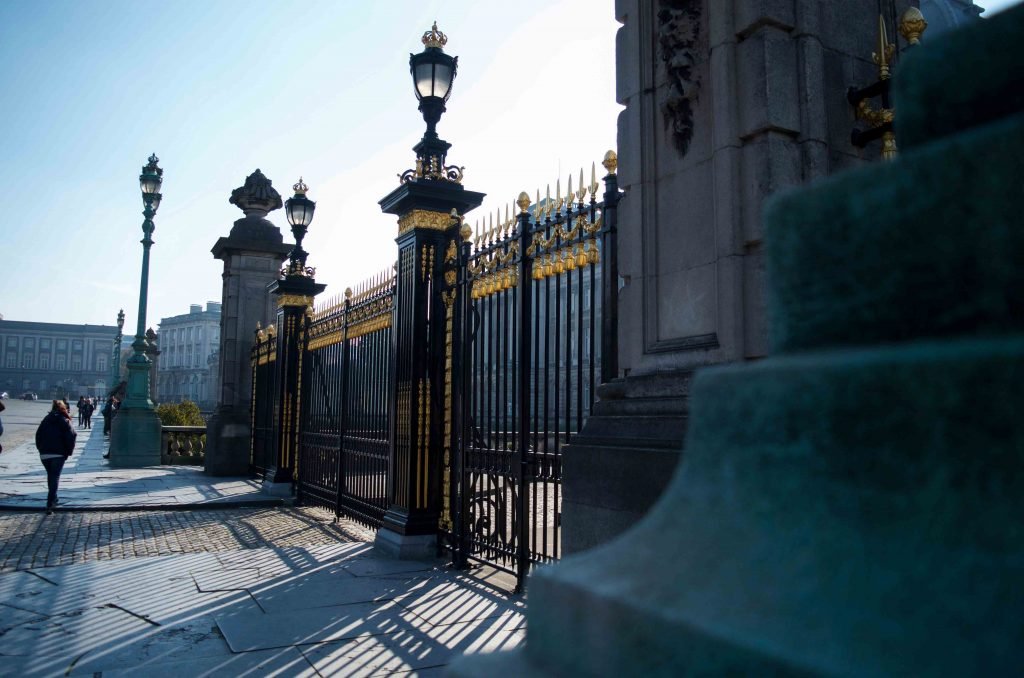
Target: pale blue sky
<point x="218" y="88"/>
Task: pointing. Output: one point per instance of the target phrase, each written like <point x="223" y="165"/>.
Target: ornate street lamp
<point x="299" y="210"/>
<point x="433" y="73"/>
<point x="295" y="292"/>
<point x="135" y="436"/>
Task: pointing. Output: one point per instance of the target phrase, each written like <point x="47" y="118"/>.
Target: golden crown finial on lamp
<point x="434" y="37"/>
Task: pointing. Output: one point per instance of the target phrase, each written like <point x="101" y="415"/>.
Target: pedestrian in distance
<point x="55" y="440"/>
<point x="108" y="414"/>
<point x="87" y="408"/>
<point x="2" y="408"/>
<point x="80" y="405"/>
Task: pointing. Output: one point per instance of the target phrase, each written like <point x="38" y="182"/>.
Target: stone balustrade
<point x="185" y="445"/>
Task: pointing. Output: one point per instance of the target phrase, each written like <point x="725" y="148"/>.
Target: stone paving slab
<point x="233" y="579"/>
<point x="282" y="662"/>
<point x="260" y="631"/>
<point x="412" y="649"/>
<point x="52" y="647"/>
<point x="373" y="567"/>
<point x="329" y="589"/>
<point x="458" y="601"/>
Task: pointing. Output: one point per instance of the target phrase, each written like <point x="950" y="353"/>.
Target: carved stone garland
<point x="678" y="38"/>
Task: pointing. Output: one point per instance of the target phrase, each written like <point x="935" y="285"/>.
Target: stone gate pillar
<point x="252" y="255"/>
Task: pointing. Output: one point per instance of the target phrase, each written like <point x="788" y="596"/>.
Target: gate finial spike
<point x="523" y="201"/>
<point x="611" y="161"/>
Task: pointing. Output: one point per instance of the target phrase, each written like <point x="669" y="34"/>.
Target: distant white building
<point x="186" y="344"/>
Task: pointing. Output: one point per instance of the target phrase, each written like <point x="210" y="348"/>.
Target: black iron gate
<point x="525" y="316"/>
<point x="343" y="442"/>
<point x="532" y="294"/>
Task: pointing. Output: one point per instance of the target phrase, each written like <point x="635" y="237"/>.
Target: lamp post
<point x="295" y="291"/>
<point x="425" y="312"/>
<point x="135" y="433"/>
<point x="115" y="362"/>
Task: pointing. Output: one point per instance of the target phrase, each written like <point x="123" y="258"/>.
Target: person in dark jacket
<point x="55" y="440"/>
<point x="87" y="409"/>
<point x="108" y="414"/>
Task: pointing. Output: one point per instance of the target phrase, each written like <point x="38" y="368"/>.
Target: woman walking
<point x="55" y="440"/>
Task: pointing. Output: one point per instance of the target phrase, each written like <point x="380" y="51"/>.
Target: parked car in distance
<point x="29" y="396"/>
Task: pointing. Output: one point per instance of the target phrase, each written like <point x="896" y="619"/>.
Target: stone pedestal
<point x="135" y="438"/>
<point x="252" y="254"/>
<point x="726" y="104"/>
<point x="850" y="505"/>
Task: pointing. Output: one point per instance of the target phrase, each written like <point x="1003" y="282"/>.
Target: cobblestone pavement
<point x="32" y="540"/>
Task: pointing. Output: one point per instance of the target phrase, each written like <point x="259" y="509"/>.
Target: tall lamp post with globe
<point x="135" y="432"/>
<point x="423" y="202"/>
<point x="295" y="291"/>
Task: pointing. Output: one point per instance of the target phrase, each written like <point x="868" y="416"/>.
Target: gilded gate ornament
<point x="427" y="219"/>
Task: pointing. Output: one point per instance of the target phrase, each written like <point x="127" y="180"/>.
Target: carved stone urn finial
<point x="257" y="196"/>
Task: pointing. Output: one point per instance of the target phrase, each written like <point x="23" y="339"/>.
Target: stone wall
<point x="726" y="103"/>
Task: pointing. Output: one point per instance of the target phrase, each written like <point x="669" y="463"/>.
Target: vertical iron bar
<point x="342" y="409"/>
<point x="610" y="281"/>
<point x="525" y="310"/>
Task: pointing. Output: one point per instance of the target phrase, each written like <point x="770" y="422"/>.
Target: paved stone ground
<point x="259" y="591"/>
<point x="171" y="584"/>
<point x="32" y="540"/>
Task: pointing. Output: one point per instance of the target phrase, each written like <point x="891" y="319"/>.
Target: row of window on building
<point x="60" y="362"/>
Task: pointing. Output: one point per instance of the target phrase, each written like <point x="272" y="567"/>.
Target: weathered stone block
<point x="817" y="526"/>
<point x="770" y="163"/>
<point x="688" y="302"/>
<point x="888" y="253"/>
<point x="754" y="15"/>
<point x="767" y="83"/>
<point x="684" y="224"/>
